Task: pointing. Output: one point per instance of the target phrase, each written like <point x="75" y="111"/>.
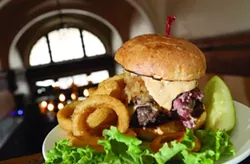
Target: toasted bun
<point x="162" y="57"/>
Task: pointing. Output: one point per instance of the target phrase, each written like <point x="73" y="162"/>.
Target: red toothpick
<point x="170" y="20"/>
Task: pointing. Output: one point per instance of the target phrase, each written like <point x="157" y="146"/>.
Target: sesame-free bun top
<point x="161" y="57"/>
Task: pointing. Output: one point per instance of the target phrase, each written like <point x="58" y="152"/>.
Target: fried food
<point x="131" y="133"/>
<point x="168" y="137"/>
<point x="85" y="120"/>
<point x="64" y="116"/>
<point x="88" y="106"/>
<point x="158" y="141"/>
<point x="197" y="146"/>
<point x="102" y="116"/>
<point x="92" y="90"/>
<point x="135" y="87"/>
<point x="82" y="142"/>
<point x="150" y="133"/>
<point x="113" y="86"/>
<point x="118" y="78"/>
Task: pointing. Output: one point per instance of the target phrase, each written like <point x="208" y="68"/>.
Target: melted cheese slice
<point x="164" y="92"/>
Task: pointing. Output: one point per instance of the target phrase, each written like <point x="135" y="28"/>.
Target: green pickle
<point x="218" y="102"/>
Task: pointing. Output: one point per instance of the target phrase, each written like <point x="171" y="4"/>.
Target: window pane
<point x="40" y="53"/>
<point x="80" y="80"/>
<point x="65" y="82"/>
<point x="65" y="44"/>
<point x="99" y="76"/>
<point x="93" y="45"/>
<point x="45" y="83"/>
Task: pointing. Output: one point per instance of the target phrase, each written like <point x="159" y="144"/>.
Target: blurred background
<point x="53" y="51"/>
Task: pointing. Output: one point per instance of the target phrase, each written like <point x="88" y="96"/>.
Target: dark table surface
<point x="31" y="159"/>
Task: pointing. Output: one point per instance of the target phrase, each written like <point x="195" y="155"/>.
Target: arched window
<point x="68" y="61"/>
<point x="65" y="44"/>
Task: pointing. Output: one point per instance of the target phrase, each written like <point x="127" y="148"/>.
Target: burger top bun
<point x="161" y="57"/>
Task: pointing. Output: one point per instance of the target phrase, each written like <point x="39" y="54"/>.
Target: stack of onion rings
<point x="86" y="120"/>
<point x="83" y="134"/>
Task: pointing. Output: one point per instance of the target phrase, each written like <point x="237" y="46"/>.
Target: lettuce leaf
<point x="123" y="149"/>
<point x="214" y="145"/>
<point x="62" y="153"/>
<point x="198" y="158"/>
<point x="166" y="153"/>
<point x="216" y="141"/>
<point x="120" y="148"/>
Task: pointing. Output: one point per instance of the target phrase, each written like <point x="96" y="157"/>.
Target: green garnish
<point x="219" y="105"/>
<point x="122" y="149"/>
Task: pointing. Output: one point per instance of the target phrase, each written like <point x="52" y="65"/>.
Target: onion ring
<point x="113" y="86"/>
<point x="101" y="116"/>
<point x="158" y="142"/>
<point x="81" y="142"/>
<point x="64" y="116"/>
<point x="88" y="106"/>
<point x="97" y="131"/>
<point x="197" y="146"/>
<point x="92" y="90"/>
<point x="119" y="78"/>
<point x="131" y="133"/>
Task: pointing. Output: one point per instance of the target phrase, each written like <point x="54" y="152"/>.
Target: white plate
<point x="240" y="136"/>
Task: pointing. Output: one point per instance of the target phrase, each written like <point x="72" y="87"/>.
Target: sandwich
<point x="161" y="76"/>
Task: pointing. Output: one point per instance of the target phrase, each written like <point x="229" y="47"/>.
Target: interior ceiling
<point x="16" y="14"/>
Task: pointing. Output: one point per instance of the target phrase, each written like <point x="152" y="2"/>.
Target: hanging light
<point x="73" y="96"/>
<point x="86" y="92"/>
<point x="50" y="107"/>
<point x="60" y="106"/>
<point x="62" y="97"/>
<point x="43" y="104"/>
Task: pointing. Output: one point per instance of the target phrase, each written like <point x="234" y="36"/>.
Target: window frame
<point x="71" y="67"/>
<point x="32" y="35"/>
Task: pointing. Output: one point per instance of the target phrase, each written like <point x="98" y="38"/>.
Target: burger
<point x="161" y="76"/>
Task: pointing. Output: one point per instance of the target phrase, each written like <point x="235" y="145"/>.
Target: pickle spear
<point x="218" y="102"/>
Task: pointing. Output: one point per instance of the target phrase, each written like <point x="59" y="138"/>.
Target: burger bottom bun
<point x="149" y="134"/>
